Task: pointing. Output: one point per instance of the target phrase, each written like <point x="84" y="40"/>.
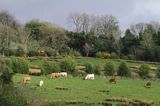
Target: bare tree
<point x="75" y="20"/>
<point x="8" y="29"/>
<point x="155" y="25"/>
<point x="96" y="25"/>
<point x="7" y="19"/>
<point x="86" y="49"/>
<point x="105" y="25"/>
<point x="147" y="41"/>
<point x="23" y="36"/>
<point x="80" y="21"/>
<point x="109" y="24"/>
<point x="85" y="22"/>
<point x="7" y="35"/>
<point x="138" y="29"/>
<point x="99" y="25"/>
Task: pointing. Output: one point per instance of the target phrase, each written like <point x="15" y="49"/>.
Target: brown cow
<point x="112" y="80"/>
<point x="148" y="84"/>
<point x="25" y="79"/>
<point x="55" y="75"/>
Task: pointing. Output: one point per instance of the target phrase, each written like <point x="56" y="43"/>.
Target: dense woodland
<point x="89" y="36"/>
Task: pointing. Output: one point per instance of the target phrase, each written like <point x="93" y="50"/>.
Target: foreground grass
<point x="88" y="91"/>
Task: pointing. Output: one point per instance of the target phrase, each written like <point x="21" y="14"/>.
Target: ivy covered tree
<point x="7" y="74"/>
<point x="9" y="95"/>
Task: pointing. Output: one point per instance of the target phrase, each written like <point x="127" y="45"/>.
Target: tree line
<point x="88" y="36"/>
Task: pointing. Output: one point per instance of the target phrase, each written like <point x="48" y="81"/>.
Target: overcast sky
<point x="56" y="11"/>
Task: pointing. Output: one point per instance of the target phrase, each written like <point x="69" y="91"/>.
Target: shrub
<point x="9" y="52"/>
<point x="131" y="57"/>
<point x="114" y="56"/>
<point x="49" y="51"/>
<point x="68" y="57"/>
<point x="19" y="65"/>
<point x="109" y="69"/>
<point x="68" y="66"/>
<point x="75" y="53"/>
<point x="8" y="62"/>
<point x="6" y="75"/>
<point x="20" y="51"/>
<point x="64" y="50"/>
<point x="123" y="70"/>
<point x="124" y="57"/>
<point x="99" y="54"/>
<point x="97" y="69"/>
<point x="49" y="67"/>
<point x="89" y="68"/>
<point x="9" y="95"/>
<point x="12" y="100"/>
<point x="144" y="70"/>
<point x="106" y="55"/>
<point x="32" y="52"/>
<point x="158" y="73"/>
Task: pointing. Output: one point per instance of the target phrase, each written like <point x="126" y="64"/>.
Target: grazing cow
<point x="89" y="77"/>
<point x="112" y="80"/>
<point x="63" y="74"/>
<point x="148" y="84"/>
<point x="55" y="75"/>
<point x="25" y="79"/>
<point x="41" y="83"/>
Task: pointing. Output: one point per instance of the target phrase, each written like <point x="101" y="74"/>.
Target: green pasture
<point x="88" y="91"/>
<point x="96" y="61"/>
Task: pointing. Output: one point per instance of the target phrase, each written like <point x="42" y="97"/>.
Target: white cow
<point x="89" y="77"/>
<point x="41" y="83"/>
<point x="63" y="74"/>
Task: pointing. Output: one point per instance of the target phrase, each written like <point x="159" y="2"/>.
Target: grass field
<point x="88" y="91"/>
<point x="95" y="61"/>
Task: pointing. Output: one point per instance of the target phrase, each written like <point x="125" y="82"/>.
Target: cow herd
<point x="27" y="78"/>
<point x="57" y="75"/>
<point x="112" y="80"/>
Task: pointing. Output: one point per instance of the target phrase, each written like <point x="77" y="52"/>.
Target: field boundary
<point x="134" y="61"/>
